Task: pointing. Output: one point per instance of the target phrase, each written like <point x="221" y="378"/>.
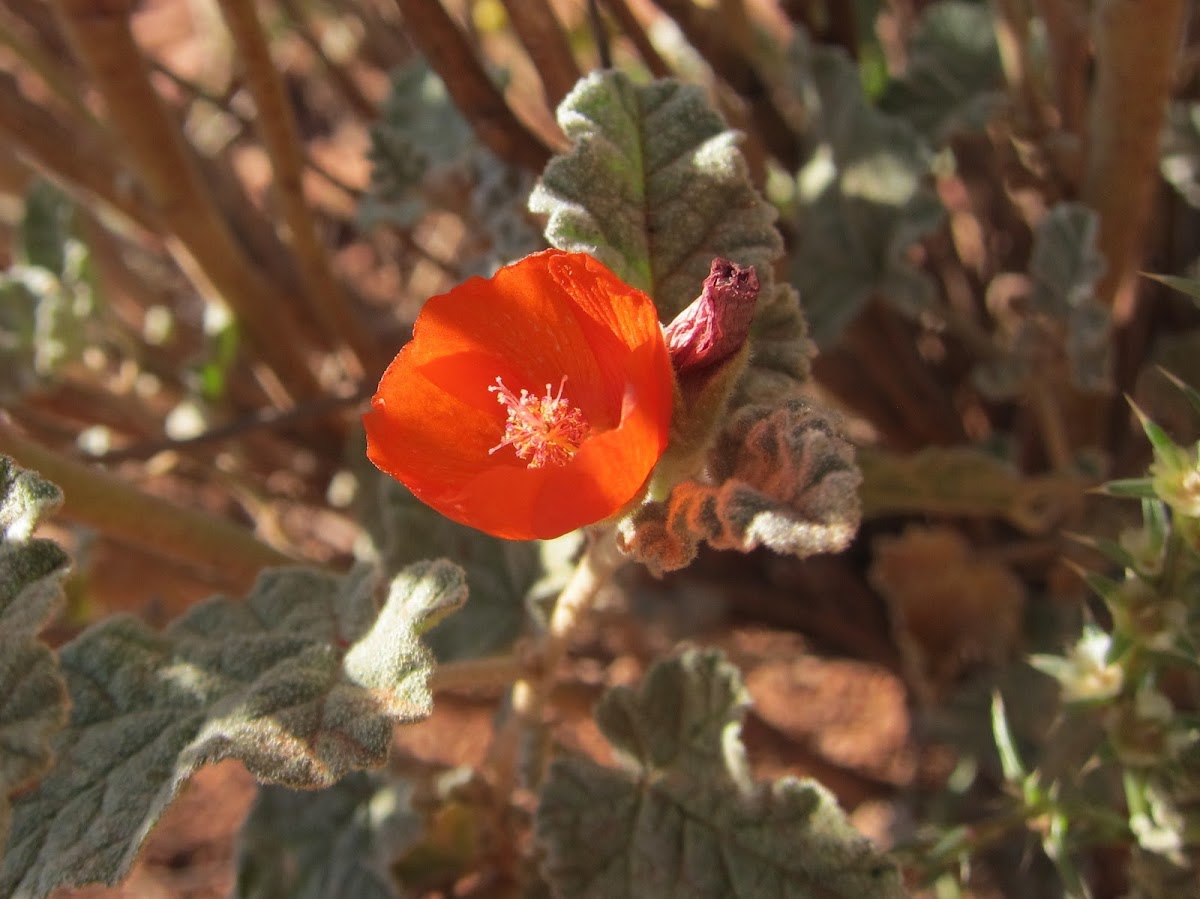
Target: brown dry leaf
<point x="950" y="607"/>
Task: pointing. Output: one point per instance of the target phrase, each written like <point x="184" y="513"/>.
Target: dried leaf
<point x="950" y="608"/>
<point x="781" y="476"/>
<point x="683" y="817"/>
<point x="302" y="681"/>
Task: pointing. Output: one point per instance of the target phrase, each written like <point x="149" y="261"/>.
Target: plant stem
<point x="546" y="43"/>
<point x="1137" y="43"/>
<point x="495" y="671"/>
<point x="281" y="138"/>
<point x="476" y="97"/>
<point x="205" y="247"/>
<point x="600" y="561"/>
<point x="103" y="501"/>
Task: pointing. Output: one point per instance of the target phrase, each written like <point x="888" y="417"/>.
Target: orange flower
<point x="528" y="404"/>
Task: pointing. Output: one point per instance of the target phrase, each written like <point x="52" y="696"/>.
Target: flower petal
<point x="552" y="314"/>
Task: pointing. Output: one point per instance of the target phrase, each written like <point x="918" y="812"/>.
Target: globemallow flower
<point x="530" y="403"/>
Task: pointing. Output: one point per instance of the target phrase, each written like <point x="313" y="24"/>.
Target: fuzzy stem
<point x="600" y="561"/>
<point x="546" y="43"/>
<point x="281" y="138"/>
<point x="103" y="501"/>
<point x="479" y="100"/>
<point x="100" y="33"/>
<point x="1137" y="43"/>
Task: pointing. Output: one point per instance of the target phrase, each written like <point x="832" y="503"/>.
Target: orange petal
<point x="548" y="315"/>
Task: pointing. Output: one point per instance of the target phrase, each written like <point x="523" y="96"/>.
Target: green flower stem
<point x="101" y="500"/>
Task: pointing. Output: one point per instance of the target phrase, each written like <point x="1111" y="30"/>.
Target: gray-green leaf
<point x="33" y="703"/>
<point x="327" y="844"/>
<point x="953" y="75"/>
<point x="303" y="681"/>
<point x="655" y="188"/>
<point x="684" y="817"/>
<point x="504" y="576"/>
<point x="865" y="198"/>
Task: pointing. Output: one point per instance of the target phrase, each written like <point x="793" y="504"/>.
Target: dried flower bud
<point x="717" y="323"/>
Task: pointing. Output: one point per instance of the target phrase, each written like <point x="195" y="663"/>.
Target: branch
<point x="100" y="500"/>
<point x="73" y="155"/>
<point x="476" y="97"/>
<point x="277" y="128"/>
<point x="636" y="33"/>
<point x="99" y="31"/>
<point x="1136" y="46"/>
<point x="546" y="43"/>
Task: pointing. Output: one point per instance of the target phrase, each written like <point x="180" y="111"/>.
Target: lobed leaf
<point x="504" y="576"/>
<point x="33" y="702"/>
<point x="329" y="843"/>
<point x="655" y="188"/>
<point x="683" y="816"/>
<point x="303" y="681"/>
<point x="865" y="199"/>
<point x="419" y="128"/>
<point x="954" y="77"/>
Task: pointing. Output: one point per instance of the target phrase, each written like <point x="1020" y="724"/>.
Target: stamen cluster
<point x="543" y="430"/>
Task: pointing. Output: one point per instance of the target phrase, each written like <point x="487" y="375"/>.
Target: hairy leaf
<point x="328" y="844"/>
<point x="303" y="681"/>
<point x="420" y="127"/>
<point x="655" y="188"/>
<point x="32" y="694"/>
<point x="953" y="75"/>
<point x="503" y="576"/>
<point x="683" y="816"/>
<point x="782" y="476"/>
<point x="865" y="198"/>
<point x="1064" y="311"/>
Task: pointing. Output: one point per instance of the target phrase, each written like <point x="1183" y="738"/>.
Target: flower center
<point x="542" y="430"/>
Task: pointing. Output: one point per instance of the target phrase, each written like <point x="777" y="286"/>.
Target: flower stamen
<point x="543" y="430"/>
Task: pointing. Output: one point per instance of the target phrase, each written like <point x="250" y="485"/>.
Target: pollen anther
<point x="543" y="430"/>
